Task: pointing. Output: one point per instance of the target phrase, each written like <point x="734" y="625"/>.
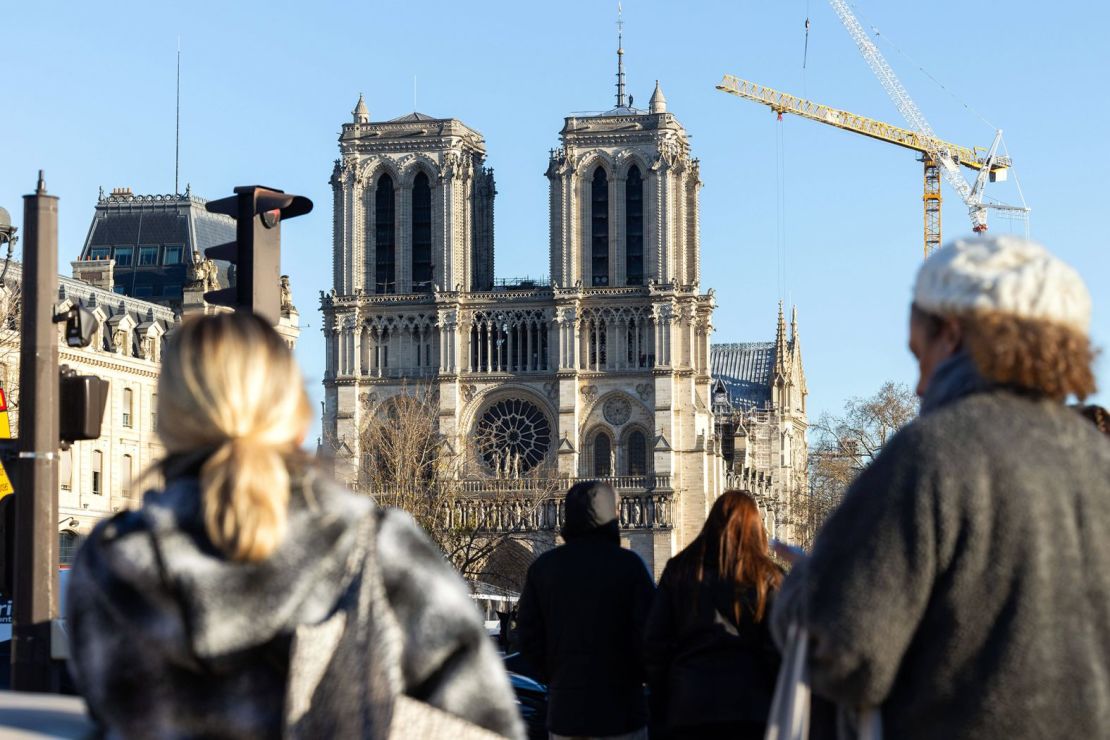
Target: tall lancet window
<point x="421" y="235"/>
<point x="634" y="233"/>
<point x="385" y="237"/>
<point x="599" y="228"/>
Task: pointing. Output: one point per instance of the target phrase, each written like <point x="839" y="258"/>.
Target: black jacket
<point x="704" y="667"/>
<point x="580" y="623"/>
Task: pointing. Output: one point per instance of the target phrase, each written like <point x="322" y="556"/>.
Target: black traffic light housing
<point x="256" y="251"/>
<point x="81" y="403"/>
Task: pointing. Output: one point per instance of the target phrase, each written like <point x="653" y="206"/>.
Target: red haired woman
<point x="709" y="654"/>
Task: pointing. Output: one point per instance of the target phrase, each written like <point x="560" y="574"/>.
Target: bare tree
<point x="845" y="444"/>
<point x="407" y="463"/>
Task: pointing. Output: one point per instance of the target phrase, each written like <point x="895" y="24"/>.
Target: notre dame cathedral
<point x="604" y="371"/>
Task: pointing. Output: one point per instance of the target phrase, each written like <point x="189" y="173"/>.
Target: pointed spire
<point x="620" y="57"/>
<point x="794" y="326"/>
<point x="361" y="114"/>
<point x="658" y="103"/>
<point x="780" y="343"/>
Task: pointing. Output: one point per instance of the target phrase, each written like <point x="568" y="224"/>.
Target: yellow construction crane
<point x="982" y="160"/>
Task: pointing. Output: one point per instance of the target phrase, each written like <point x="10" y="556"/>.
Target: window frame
<point x="118" y="252"/>
<point x="151" y="250"/>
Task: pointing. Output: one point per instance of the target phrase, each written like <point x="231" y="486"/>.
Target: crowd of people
<point x="961" y="589"/>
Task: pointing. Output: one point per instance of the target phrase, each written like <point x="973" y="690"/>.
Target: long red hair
<point x="732" y="547"/>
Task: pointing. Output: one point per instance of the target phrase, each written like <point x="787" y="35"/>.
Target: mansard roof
<point x="745" y="369"/>
<point x="125" y="219"/>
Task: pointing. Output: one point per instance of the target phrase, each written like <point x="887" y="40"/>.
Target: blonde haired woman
<point x="253" y="598"/>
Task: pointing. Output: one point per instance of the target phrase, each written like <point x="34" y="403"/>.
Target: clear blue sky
<point x="88" y="94"/>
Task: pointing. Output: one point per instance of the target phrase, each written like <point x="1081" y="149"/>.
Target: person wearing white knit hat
<point x="1021" y="313"/>
<point x="963" y="585"/>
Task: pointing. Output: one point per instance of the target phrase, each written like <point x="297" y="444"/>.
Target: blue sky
<point x="89" y="96"/>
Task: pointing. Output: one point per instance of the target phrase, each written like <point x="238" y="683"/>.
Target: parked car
<point x="531" y="696"/>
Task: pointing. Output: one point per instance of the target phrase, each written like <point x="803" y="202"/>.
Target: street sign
<point x="5" y="427"/>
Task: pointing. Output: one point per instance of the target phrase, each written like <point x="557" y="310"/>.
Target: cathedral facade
<point x="605" y="371"/>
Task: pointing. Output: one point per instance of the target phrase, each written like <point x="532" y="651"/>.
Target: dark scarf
<point x="953" y="379"/>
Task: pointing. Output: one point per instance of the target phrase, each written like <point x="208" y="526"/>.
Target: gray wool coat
<point x="355" y="607"/>
<point x="964" y="583"/>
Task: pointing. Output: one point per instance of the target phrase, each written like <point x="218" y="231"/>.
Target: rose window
<point x="513" y="436"/>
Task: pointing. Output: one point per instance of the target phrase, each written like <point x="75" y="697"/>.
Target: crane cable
<point x="780" y="206"/>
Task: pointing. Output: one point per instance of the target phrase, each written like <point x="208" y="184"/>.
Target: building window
<point x="124" y="256"/>
<point x="421" y="235"/>
<point x="65" y="469"/>
<point x="603" y="455"/>
<point x="599" y="228"/>
<point x="144" y="291"/>
<point x="171" y="256"/>
<point x="99" y="253"/>
<point x="634" y="233"/>
<point x="128" y="399"/>
<point x="148" y="256"/>
<point x="125" y="476"/>
<point x="67" y="547"/>
<point x="637" y="453"/>
<point x="384" y="236"/>
<point x="154" y="412"/>
<point x="97" y="472"/>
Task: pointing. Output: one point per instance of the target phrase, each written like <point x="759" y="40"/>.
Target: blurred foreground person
<point x="963" y="586"/>
<point x="251" y="598"/>
<point x="581" y="619"/>
<point x="1098" y="416"/>
<point x="710" y="659"/>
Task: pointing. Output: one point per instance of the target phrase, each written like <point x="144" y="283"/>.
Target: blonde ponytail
<point x="245" y="498"/>
<point x="229" y="385"/>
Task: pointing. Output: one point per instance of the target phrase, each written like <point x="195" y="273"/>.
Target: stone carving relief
<point x="552" y="390"/>
<point x="644" y="390"/>
<point x="589" y="392"/>
<point x="617" y="410"/>
<point x="468" y="391"/>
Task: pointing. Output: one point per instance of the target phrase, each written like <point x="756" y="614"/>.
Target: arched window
<point x="126" y="472"/>
<point x="599" y="228"/>
<point x="637" y="453"/>
<point x="634" y="233"/>
<point x="603" y="455"/>
<point x="67" y="547"/>
<point x="421" y="235"/>
<point x="385" y="237"/>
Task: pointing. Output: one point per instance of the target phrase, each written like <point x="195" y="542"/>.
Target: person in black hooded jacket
<point x="580" y="621"/>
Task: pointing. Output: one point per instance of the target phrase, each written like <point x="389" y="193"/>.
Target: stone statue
<point x="286" y="294"/>
<point x="612" y="462"/>
<point x="148" y="348"/>
<point x="119" y="339"/>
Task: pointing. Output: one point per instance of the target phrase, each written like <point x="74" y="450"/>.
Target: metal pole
<point x="35" y="598"/>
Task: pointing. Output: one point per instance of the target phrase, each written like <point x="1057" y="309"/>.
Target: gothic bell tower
<point x="413" y="206"/>
<point x="624" y="198"/>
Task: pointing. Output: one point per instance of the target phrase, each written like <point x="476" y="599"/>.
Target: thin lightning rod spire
<point x="177" y="136"/>
<point x="620" y="56"/>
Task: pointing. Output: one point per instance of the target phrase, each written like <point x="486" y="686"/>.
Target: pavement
<point x="27" y="716"/>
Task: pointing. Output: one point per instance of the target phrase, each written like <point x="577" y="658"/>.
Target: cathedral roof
<point x="745" y="369"/>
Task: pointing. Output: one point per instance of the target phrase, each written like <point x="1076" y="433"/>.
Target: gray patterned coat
<point x="964" y="583"/>
<point x="169" y="639"/>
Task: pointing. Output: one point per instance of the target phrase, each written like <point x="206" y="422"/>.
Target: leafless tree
<point x="845" y="444"/>
<point x="407" y="463"/>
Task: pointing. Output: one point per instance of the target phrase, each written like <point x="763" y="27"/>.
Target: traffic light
<point x="256" y="251"/>
<point x="81" y="406"/>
